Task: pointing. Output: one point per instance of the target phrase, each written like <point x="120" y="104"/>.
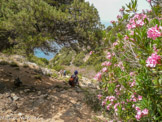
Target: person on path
<point x="64" y="72"/>
<point x="74" y="80"/>
<point x="61" y="72"/>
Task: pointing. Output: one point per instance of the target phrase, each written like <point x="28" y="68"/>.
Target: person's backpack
<point x="71" y="81"/>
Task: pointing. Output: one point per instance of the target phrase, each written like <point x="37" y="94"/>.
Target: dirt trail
<point x="40" y="98"/>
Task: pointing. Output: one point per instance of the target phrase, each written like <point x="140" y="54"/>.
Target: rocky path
<point x="40" y="99"/>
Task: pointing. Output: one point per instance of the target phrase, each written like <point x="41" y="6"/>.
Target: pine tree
<point x="31" y="24"/>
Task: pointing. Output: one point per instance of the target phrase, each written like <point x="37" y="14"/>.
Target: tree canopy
<point x="30" y="24"/>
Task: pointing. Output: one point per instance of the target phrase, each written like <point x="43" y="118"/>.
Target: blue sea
<point x="40" y="54"/>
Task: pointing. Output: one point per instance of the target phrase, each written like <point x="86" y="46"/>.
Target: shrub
<point x="64" y="57"/>
<point x="130" y="79"/>
<point x="39" y="77"/>
<point x="14" y="64"/>
<point x="25" y="66"/>
<point x="55" y="75"/>
<point x="4" y="63"/>
<point x="39" y="61"/>
<point x="58" y="68"/>
<point x="78" y="61"/>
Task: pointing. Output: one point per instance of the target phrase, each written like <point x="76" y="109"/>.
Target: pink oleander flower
<point x="149" y="1"/>
<point x="121" y="10"/>
<point x="137" y="108"/>
<point x="98" y="76"/>
<point x="108" y="55"/>
<point x="117" y="93"/>
<point x="127" y="100"/>
<point x="119" y="17"/>
<point x="115" y="43"/>
<point x="138" y="117"/>
<point x="129" y="26"/>
<point x="131" y="73"/>
<point x="153" y="60"/>
<point x="149" y="11"/>
<point x="123" y="102"/>
<point x="99" y="96"/>
<point x="123" y="109"/>
<point x="116" y="105"/>
<point x="136" y="21"/>
<point x="110" y="81"/>
<point x="91" y="52"/>
<point x="103" y="103"/>
<point x="108" y="107"/>
<point x="132" y="39"/>
<point x="133" y="105"/>
<point x="154" y="48"/>
<point x="143" y="11"/>
<point x="153" y="32"/>
<point x="112" y="21"/>
<point x="133" y="84"/>
<point x="110" y="98"/>
<point x="126" y="37"/>
<point x="139" y="112"/>
<point x="133" y="96"/>
<point x="116" y="90"/>
<point x="106" y="63"/>
<point x="132" y="33"/>
<point x="134" y="100"/>
<point x="133" y="25"/>
<point x="104" y="69"/>
<point x="139" y="97"/>
<point x="160" y="18"/>
<point x="145" y="112"/>
<point x="113" y="54"/>
<point x="140" y="23"/>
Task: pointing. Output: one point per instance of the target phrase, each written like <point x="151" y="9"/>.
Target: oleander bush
<point x="131" y="77"/>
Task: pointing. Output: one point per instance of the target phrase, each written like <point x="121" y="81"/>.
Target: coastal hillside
<point x="97" y="74"/>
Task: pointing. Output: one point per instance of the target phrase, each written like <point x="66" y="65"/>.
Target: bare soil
<point x="40" y="98"/>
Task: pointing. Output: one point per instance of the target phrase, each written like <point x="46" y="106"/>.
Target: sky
<point x="109" y="9"/>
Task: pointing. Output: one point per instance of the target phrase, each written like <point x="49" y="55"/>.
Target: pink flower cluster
<point x="98" y="76"/>
<point x="112" y="21"/>
<point x="132" y="74"/>
<point x="141" y="113"/>
<point x="149" y="1"/>
<point x="136" y="21"/>
<point x="126" y="37"/>
<point x="115" y="43"/>
<point x="99" y="96"/>
<point x="134" y="98"/>
<point x="120" y="65"/>
<point x="149" y="11"/>
<point x="106" y="63"/>
<point x="110" y="98"/>
<point x="119" y="17"/>
<point x="121" y="10"/>
<point x="91" y="52"/>
<point x="132" y="84"/>
<point x="108" y="55"/>
<point x="104" y="69"/>
<point x="154" y="32"/>
<point x="153" y="60"/>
